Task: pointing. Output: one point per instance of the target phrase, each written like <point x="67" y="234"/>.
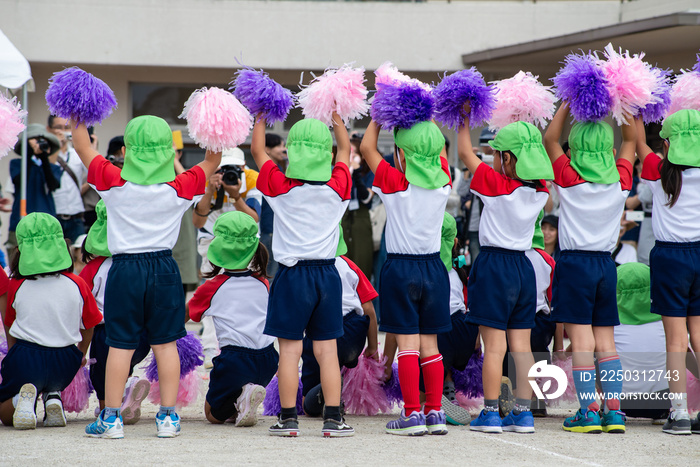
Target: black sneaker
<point x="288" y="427"/>
<point x="313" y="402"/>
<point x="506" y="399"/>
<point x="448" y="390"/>
<point x="538" y="408"/>
<point x="695" y="425"/>
<point x="336" y="429"/>
<point x="677" y="426"/>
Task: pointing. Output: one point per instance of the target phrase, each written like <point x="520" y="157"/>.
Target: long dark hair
<point x="536" y="183"/>
<point x="258" y="264"/>
<point x="14" y="267"/>
<point x="671" y="180"/>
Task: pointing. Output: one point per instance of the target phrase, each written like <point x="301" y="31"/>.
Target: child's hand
<point x="373" y="353"/>
<point x="466" y="110"/>
<point x="214" y="183"/>
<point x="388" y="371"/>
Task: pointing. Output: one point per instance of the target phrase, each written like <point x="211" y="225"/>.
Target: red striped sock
<point x="409" y="377"/>
<point x="433" y="376"/>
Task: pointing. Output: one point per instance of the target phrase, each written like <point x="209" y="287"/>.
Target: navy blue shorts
<point x="675" y="279"/>
<point x="233" y="368"/>
<point x="144" y="291"/>
<point x="306" y="297"/>
<point x="99" y="351"/>
<point x="414" y="295"/>
<point x="457" y="346"/>
<point x="501" y="292"/>
<point x="584" y="290"/>
<point x="350" y="346"/>
<point x="47" y="368"/>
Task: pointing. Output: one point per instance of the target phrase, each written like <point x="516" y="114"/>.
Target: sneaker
<point x="613" y="421"/>
<point x="448" y="391"/>
<point x="168" y="425"/>
<point x="583" y="423"/>
<point x="487" y="422"/>
<point x="521" y="423"/>
<point x="506" y="399"/>
<point x="313" y="402"/>
<point x="247" y="405"/>
<point x="695" y="425"/>
<point x="661" y="420"/>
<point x="538" y="408"/>
<point x="336" y="429"/>
<point x="455" y="414"/>
<point x="413" y="425"/>
<point x="287" y="427"/>
<point x="677" y="425"/>
<point x="111" y="428"/>
<point x="53" y="411"/>
<point x="436" y="422"/>
<point x="136" y="392"/>
<point x="209" y="355"/>
<point x="24" y="417"/>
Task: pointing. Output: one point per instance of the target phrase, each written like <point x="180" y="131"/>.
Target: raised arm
<point x="643" y="149"/>
<point x="210" y="163"/>
<point x="553" y="133"/>
<point x="83" y="144"/>
<point x="465" y="149"/>
<point x="368" y="147"/>
<point x="257" y="144"/>
<point x="372" y="339"/>
<point x="342" y="140"/>
<point x="629" y="141"/>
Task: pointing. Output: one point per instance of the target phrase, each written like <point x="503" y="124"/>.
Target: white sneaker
<point x="24" y="417"/>
<point x="209" y="355"/>
<point x="247" y="404"/>
<point x="53" y="412"/>
<point x="168" y="426"/>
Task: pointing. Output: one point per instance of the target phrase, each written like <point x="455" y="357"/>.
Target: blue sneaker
<point x="413" y="425"/>
<point x="487" y="422"/>
<point x="583" y="423"/>
<point x="521" y="423"/>
<point x="111" y="428"/>
<point x="168" y="426"/>
<point x="613" y="421"/>
<point x="436" y="422"/>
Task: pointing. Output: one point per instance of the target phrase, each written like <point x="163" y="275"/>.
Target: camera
<point x="230" y="174"/>
<point x="44" y="146"/>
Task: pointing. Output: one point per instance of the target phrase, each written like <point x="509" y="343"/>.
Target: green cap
<point x="41" y="245"/>
<point x="524" y="140"/>
<point x="342" y="246"/>
<point x="682" y="130"/>
<point x="538" y="237"/>
<point x="634" y="294"/>
<point x="96" y="241"/>
<point x="235" y="241"/>
<point x="447" y="241"/>
<point x="422" y="144"/>
<point x="150" y="156"/>
<point x="309" y="150"/>
<point x="592" y="153"/>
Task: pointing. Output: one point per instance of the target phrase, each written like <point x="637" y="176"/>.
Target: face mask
<point x="459" y="262"/>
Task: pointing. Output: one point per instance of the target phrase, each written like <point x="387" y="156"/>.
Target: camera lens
<point x="44" y="146"/>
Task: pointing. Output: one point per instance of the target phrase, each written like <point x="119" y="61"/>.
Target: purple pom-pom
<point x="191" y="354"/>
<point x="392" y="387"/>
<point x="271" y="403"/>
<point x="401" y="106"/>
<point x="470" y="381"/>
<point x="78" y="95"/>
<point x="457" y="89"/>
<point x="582" y="83"/>
<point x="262" y="95"/>
<point x="657" y="111"/>
<point x="696" y="67"/>
<point x="11" y="123"/>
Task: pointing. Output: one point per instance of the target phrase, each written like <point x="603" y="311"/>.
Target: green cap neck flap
<point x="41" y="245"/>
<point x="422" y="144"/>
<point x="150" y="156"/>
<point x="538" y="237"/>
<point x="447" y="241"/>
<point x="634" y="294"/>
<point x="682" y="130"/>
<point x="524" y="140"/>
<point x="96" y="241"/>
<point x="592" y="152"/>
<point x="235" y="241"/>
<point x="342" y="246"/>
<point x="309" y="150"/>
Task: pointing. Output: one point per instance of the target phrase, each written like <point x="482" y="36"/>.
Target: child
<point x="145" y="202"/>
<point x="414" y="286"/>
<point x="306" y="294"/>
<point x="592" y="189"/>
<point x="675" y="260"/>
<point x="98" y="261"/>
<point x="237" y="302"/>
<point x="49" y="311"/>
<point x="502" y="294"/>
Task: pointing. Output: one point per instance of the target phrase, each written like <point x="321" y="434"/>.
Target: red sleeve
<point x="4" y="282"/>
<point x="190" y="183"/>
<point x="625" y="168"/>
<point x="91" y="314"/>
<point x="103" y="175"/>
<point x="364" y="288"/>
<point x="272" y="182"/>
<point x="487" y="182"/>
<point x="650" y="169"/>
<point x="201" y="300"/>
<point x="10" y="312"/>
<point x="263" y="280"/>
<point x="564" y="175"/>
<point x="389" y="179"/>
<point x="90" y="270"/>
<point x="552" y="264"/>
<point x="464" y="292"/>
<point x="446" y="168"/>
<point x="340" y="181"/>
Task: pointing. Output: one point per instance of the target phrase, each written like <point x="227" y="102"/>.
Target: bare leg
<point x="210" y="417"/>
<point x="676" y="330"/>
<point x="168" y="361"/>
<point x="494" y="351"/>
<point x="288" y="372"/>
<point x="7" y="410"/>
<point x="519" y="340"/>
<point x="326" y="353"/>
<point x="116" y="373"/>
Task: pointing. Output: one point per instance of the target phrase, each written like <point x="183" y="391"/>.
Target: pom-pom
<point x="78" y="95"/>
<point x="271" y="403"/>
<point x="188" y="392"/>
<point x="570" y="393"/>
<point x="470" y="381"/>
<point x="582" y="83"/>
<point x="11" y="123"/>
<point x="392" y="388"/>
<point x="76" y="397"/>
<point x="3" y="352"/>
<point x="657" y="111"/>
<point x="685" y="92"/>
<point x="522" y="99"/>
<point x="401" y="106"/>
<point x="468" y="403"/>
<point x="630" y="83"/>
<point x="362" y="387"/>
<point x="191" y="354"/>
<point x="339" y="90"/>
<point x="457" y="89"/>
<point x="216" y="120"/>
<point x="262" y="95"/>
<point x="388" y="74"/>
<point x="693" y="390"/>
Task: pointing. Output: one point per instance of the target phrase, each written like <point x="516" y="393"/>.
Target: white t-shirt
<point x="356" y="287"/>
<point x="68" y="199"/>
<point x="642" y="348"/>
<point x="457" y="290"/>
<point x="543" y="264"/>
<point x="95" y="275"/>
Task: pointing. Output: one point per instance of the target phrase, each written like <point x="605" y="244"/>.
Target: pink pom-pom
<point x="388" y="74"/>
<point x="685" y="93"/>
<point x="11" y="123"/>
<point x="189" y="391"/>
<point x="363" y="390"/>
<point x="693" y="390"/>
<point x="76" y="397"/>
<point x="472" y="404"/>
<point x="216" y="119"/>
<point x="631" y="82"/>
<point x="522" y="99"/>
<point x="339" y="90"/>
<point x="570" y="393"/>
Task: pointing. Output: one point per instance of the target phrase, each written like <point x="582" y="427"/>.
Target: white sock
<point x="15" y="400"/>
<point x="680" y="406"/>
